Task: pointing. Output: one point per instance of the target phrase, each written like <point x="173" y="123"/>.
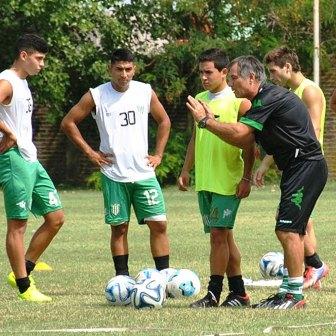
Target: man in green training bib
<point x="223" y="178"/>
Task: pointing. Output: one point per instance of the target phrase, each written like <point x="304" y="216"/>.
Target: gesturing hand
<point x="259" y="176"/>
<point x="199" y="109"/>
<point x="196" y="108"/>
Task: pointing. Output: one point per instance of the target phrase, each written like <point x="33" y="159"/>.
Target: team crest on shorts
<point x="227" y="213"/>
<point x="298" y="197"/>
<point x="214" y="214"/>
<point x="115" y="208"/>
<point x="22" y="204"/>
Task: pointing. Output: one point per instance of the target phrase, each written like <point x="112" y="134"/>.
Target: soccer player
<point x="279" y="121"/>
<point x="223" y="178"/>
<point x="120" y="108"/>
<point x="284" y="68"/>
<point x="25" y="183"/>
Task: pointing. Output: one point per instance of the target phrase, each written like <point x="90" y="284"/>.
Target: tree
<point x="75" y="31"/>
<point x="166" y="35"/>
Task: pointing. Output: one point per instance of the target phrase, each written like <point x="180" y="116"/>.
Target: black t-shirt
<point x="282" y="126"/>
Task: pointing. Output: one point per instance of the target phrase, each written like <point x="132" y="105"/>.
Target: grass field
<point x="82" y="265"/>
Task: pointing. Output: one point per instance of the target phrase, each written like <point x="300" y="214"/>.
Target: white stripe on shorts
<point x="156" y="218"/>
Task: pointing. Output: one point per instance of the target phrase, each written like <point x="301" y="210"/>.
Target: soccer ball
<point x="149" y="273"/>
<point x="169" y="273"/>
<point x="184" y="283"/>
<point x="150" y="293"/>
<point x="271" y="265"/>
<point x="118" y="290"/>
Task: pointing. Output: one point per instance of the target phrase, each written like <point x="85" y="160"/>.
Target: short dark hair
<point x="215" y="55"/>
<point x="31" y="43"/>
<point x="122" y="55"/>
<point x="281" y="56"/>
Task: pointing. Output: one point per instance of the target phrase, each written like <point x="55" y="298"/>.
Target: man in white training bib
<point x="120" y="108"/>
<point x="26" y="185"/>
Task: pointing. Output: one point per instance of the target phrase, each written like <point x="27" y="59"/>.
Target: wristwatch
<point x="202" y="122"/>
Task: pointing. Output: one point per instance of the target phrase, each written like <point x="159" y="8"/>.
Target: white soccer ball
<point x="118" y="290"/>
<point x="150" y="293"/>
<point x="149" y="273"/>
<point x="169" y="273"/>
<point x="184" y="283"/>
<point x="271" y="265"/>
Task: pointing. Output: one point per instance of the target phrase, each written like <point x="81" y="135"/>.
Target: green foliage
<point x="75" y="32"/>
<point x="169" y="169"/>
<point x="93" y="181"/>
<point x="166" y="35"/>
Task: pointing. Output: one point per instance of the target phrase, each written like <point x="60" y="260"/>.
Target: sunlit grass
<point x="82" y="264"/>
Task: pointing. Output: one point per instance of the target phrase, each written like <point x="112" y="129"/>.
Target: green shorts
<point x="145" y="196"/>
<point x="26" y="187"/>
<point x="218" y="211"/>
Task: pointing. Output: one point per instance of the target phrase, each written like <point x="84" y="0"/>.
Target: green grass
<point x="82" y="265"/>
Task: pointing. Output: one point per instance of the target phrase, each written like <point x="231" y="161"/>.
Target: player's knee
<point x="158" y="228"/>
<point x="16" y="227"/>
<point x="219" y="237"/>
<point x="119" y="230"/>
<point x="57" y="221"/>
<point x="288" y="238"/>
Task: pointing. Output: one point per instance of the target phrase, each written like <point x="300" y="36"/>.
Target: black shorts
<point x="301" y="186"/>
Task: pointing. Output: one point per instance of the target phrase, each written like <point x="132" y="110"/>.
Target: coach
<point x="279" y="121"/>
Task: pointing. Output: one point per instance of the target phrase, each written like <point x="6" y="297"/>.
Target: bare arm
<point x="9" y="139"/>
<point x="259" y="174"/>
<point x="6" y="92"/>
<point x="333" y="101"/>
<point x="160" y="116"/>
<point x="245" y="105"/>
<point x="313" y="100"/>
<point x="249" y="152"/>
<point x="244" y="186"/>
<point x="248" y="157"/>
<point x="69" y="126"/>
<point x="236" y="134"/>
<point x="189" y="161"/>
